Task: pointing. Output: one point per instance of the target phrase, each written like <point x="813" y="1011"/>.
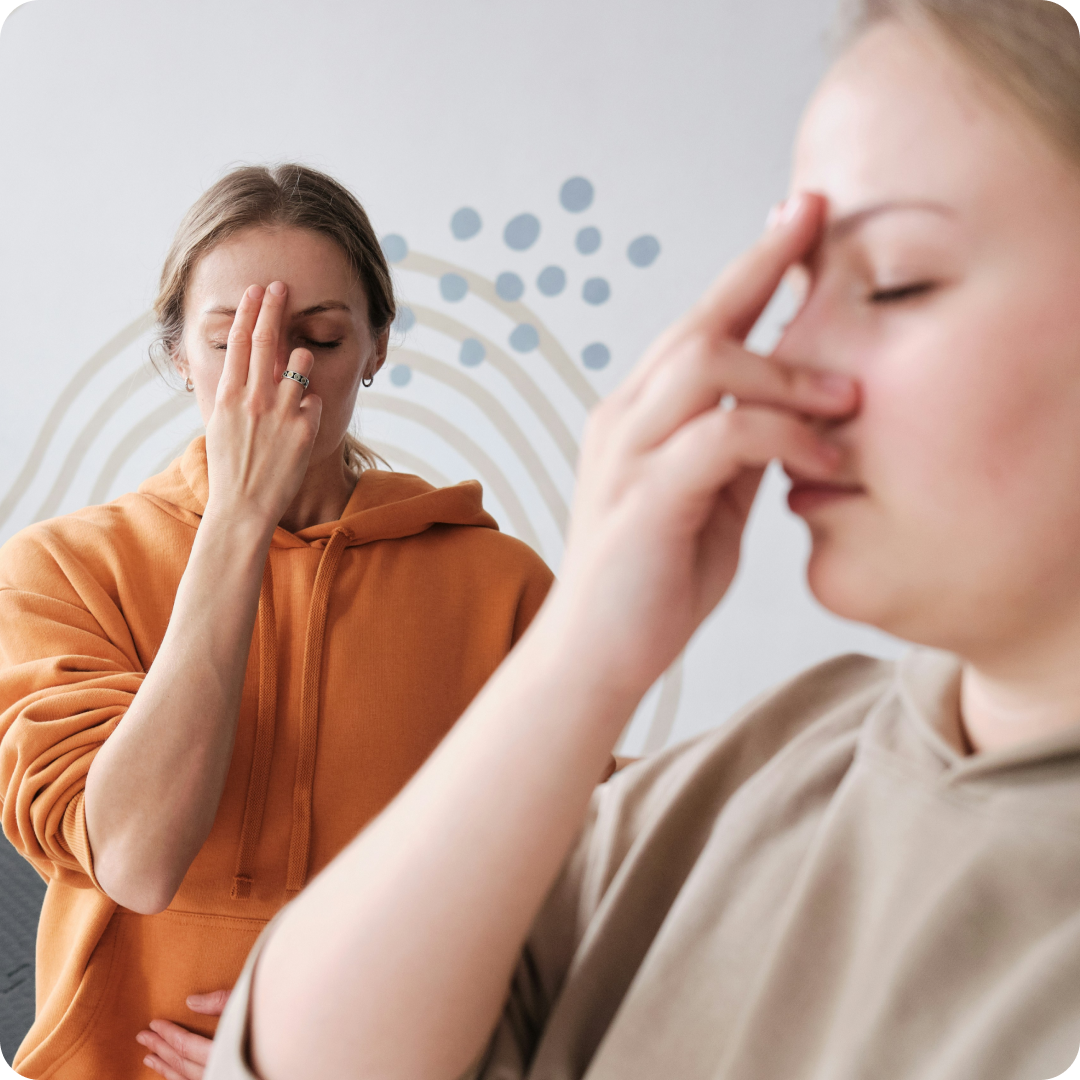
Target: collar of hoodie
<point x="383" y="506"/>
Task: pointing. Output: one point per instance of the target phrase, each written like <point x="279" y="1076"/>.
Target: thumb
<point x="209" y="1004"/>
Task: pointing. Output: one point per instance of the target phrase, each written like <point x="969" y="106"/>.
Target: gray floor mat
<point x="21" y="894"/>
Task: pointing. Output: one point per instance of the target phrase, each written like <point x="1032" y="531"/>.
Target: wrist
<point x="562" y="659"/>
<point x="240" y="525"/>
<point x="242" y="536"/>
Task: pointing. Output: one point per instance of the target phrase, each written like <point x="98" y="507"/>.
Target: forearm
<point x="395" y="961"/>
<point x="153" y="790"/>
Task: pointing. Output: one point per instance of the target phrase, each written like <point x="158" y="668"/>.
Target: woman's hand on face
<point x="670" y="468"/>
<point x="175" y="1052"/>
<point x="260" y="435"/>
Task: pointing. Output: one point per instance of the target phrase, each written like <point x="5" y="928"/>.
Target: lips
<point x="807" y="496"/>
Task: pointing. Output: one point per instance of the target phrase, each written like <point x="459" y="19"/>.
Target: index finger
<point x="733" y="304"/>
<point x="739" y="297"/>
<point x="267" y="332"/>
<point x="187" y="1044"/>
<point x="238" y="350"/>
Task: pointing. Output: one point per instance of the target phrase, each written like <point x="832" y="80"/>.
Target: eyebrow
<point x="849" y="223"/>
<point x="318" y="309"/>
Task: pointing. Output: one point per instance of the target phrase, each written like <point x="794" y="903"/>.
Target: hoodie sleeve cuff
<point x="76" y="839"/>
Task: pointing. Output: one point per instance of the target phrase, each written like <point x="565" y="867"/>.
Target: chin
<point x="861" y="589"/>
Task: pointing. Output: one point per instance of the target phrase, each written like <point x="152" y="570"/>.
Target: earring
<point x="367" y="380"/>
<point x="189" y="386"/>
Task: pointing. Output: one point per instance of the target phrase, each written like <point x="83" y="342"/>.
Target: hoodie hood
<point x="383" y="506"/>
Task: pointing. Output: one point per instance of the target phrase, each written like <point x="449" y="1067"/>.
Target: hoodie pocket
<point x="143" y="969"/>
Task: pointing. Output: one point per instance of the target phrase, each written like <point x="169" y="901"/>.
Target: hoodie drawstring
<point x="259" y="783"/>
<point x="264" y="738"/>
<point x="300" y="841"/>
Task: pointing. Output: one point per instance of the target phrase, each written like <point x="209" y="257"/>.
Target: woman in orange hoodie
<point x="209" y="686"/>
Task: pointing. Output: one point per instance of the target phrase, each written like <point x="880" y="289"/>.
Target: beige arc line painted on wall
<point x="81" y="379"/>
<point x="503" y="421"/>
<point x="477" y="457"/>
<point x="485" y="466"/>
<point x="134" y="438"/>
<point x="512" y="371"/>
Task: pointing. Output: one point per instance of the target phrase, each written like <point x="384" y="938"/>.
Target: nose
<point x="812" y="337"/>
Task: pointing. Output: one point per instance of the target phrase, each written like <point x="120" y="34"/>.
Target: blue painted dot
<point x="465" y="224"/>
<point x="525" y="338"/>
<point x="596" y="291"/>
<point x="576" y="195"/>
<point x="405" y="320"/>
<point x="509" y="286"/>
<point x="521" y="233"/>
<point x="394" y="248"/>
<point x="643" y="251"/>
<point x="588" y="241"/>
<point x="401" y="375"/>
<point x="596" y="356"/>
<point x="472" y="352"/>
<point x="551" y="281"/>
<point x="453" y="287"/>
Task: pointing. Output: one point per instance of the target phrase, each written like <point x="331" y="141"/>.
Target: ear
<point x="180" y="364"/>
<point x="382" y="344"/>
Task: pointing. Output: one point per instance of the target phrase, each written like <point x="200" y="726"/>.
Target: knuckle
<point x="263" y="336"/>
<point x="734" y="423"/>
<point x="600" y="421"/>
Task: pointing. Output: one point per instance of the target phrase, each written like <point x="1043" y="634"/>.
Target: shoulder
<point x="831" y="697"/>
<point x="682" y="790"/>
<point x="90" y="541"/>
<point x="493" y="552"/>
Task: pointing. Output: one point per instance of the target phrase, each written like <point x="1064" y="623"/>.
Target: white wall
<point x="116" y="114"/>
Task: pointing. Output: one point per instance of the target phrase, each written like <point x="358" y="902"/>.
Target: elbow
<point x="139" y="889"/>
<point x="145" y="903"/>
<point x="142" y="897"/>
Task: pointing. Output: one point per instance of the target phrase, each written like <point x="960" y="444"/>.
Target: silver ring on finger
<point x="297" y="377"/>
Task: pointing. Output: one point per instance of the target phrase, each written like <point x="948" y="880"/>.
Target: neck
<point x="1018" y="699"/>
<point x="323" y="495"/>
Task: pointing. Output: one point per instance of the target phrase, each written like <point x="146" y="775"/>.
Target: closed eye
<point x="308" y="344"/>
<point x="904" y="292"/>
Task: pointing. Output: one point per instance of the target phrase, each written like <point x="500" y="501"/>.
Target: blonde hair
<point x="1030" y="48"/>
<point x="290" y="196"/>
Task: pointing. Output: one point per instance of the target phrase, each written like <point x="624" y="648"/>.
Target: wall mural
<point x="476" y="385"/>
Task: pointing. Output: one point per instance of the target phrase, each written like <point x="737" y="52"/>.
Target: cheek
<point x="958" y="418"/>
<point x="336" y="379"/>
<point x="205" y="365"/>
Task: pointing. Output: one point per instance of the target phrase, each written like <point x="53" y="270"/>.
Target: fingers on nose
<point x="739" y="297"/>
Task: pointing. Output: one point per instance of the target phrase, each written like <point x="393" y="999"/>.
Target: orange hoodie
<point x="374" y="632"/>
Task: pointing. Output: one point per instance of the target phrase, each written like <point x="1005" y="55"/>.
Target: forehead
<point x="902" y="116"/>
<point x="313" y="267"/>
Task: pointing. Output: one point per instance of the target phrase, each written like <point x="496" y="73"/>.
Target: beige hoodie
<point x="823" y="889"/>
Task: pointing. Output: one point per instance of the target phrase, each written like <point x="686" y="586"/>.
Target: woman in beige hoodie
<point x="875" y="871"/>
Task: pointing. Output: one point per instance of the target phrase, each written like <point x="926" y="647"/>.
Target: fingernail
<point x="790" y="210"/>
<point x="255" y="292"/>
<point x="775" y="214"/>
<point x="277" y="288"/>
<point x="141" y="1039"/>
